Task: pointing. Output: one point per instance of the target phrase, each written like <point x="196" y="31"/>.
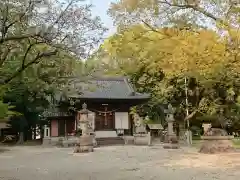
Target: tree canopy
<point x="195" y="39"/>
<point x="41" y="43"/>
<point x="32" y="31"/>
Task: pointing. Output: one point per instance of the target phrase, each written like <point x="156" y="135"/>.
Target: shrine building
<point x="108" y="100"/>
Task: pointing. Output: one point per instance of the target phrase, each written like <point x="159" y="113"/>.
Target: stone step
<point x="110" y="141"/>
<point x="105" y="134"/>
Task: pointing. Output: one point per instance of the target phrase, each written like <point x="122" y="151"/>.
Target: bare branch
<point x="194" y="7"/>
<point x="190" y="115"/>
<point x="59" y="17"/>
<point x="17" y="38"/>
<point x="6" y="27"/>
<point x="151" y="27"/>
<point x="26" y="53"/>
<point x="4" y="55"/>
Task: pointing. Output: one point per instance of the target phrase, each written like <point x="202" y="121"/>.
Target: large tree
<point x="170" y="53"/>
<point x="165" y="12"/>
<point x="41" y="42"/>
<point x="186" y="49"/>
<point x="35" y="30"/>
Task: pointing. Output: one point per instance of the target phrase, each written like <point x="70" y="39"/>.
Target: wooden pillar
<point x="65" y="128"/>
<point x="75" y="123"/>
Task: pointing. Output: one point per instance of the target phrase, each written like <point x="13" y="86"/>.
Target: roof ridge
<point x="117" y="78"/>
<point x="107" y="78"/>
<point x="130" y="88"/>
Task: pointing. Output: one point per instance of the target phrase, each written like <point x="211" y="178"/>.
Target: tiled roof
<point x="100" y="88"/>
<point x="104" y="88"/>
<point x="55" y="112"/>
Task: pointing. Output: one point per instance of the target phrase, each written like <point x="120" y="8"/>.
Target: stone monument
<point x="171" y="141"/>
<point x="206" y="128"/>
<point x="216" y="140"/>
<point x="141" y="136"/>
<point x="85" y="141"/>
<point x="140" y="127"/>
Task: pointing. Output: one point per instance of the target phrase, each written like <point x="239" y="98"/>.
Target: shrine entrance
<point x="104" y="120"/>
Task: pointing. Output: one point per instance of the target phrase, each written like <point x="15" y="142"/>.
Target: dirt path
<point x="116" y="163"/>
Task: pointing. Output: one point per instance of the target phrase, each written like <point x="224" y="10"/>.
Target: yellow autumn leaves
<point x="199" y="52"/>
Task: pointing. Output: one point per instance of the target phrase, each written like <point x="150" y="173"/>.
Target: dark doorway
<point x="61" y="127"/>
<point x="104" y="121"/>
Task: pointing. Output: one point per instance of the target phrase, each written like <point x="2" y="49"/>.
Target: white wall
<point x="121" y="120"/>
<point x="91" y="117"/>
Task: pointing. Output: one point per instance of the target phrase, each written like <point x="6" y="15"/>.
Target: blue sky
<point x="100" y="9"/>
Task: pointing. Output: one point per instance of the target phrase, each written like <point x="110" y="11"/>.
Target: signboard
<point x="121" y="120"/>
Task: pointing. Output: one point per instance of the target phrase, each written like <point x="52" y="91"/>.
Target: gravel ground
<point x="116" y="163"/>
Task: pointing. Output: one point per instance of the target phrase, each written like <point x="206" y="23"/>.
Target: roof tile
<point x="106" y="88"/>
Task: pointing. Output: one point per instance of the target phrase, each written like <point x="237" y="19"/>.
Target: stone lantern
<point x="172" y="142"/>
<point x="85" y="141"/>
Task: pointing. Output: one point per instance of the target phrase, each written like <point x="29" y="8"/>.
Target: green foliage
<point x="6" y="110"/>
<point x="38" y="51"/>
<point x="169" y="13"/>
<point x="3" y="110"/>
<point x="163" y="57"/>
<point x="30" y="37"/>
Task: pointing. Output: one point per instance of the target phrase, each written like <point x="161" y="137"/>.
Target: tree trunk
<point x="21" y="138"/>
<point x="188" y="133"/>
<point x="29" y="134"/>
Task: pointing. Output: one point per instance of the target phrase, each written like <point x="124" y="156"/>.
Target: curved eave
<point x="146" y="98"/>
<point x="132" y="100"/>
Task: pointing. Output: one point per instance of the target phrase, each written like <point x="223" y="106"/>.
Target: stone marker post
<point x="46" y="136"/>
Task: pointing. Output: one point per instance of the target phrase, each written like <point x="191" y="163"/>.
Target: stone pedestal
<point x="128" y="140"/>
<point x="84" y="144"/>
<point x="94" y="140"/>
<point x="216" y="141"/>
<point x="46" y="141"/>
<point x="142" y="139"/>
<point x="172" y="142"/>
<point x="217" y="144"/>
